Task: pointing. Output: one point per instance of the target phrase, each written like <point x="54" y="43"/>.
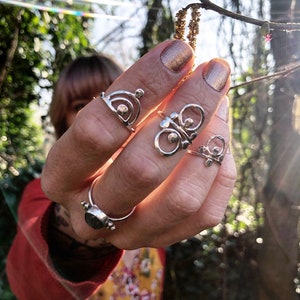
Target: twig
<point x="208" y="5"/>
<point x="281" y="73"/>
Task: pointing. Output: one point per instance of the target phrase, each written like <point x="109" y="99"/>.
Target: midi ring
<point x="213" y="151"/>
<point x="95" y="217"/>
<point x="180" y="130"/>
<point x="125" y="105"/>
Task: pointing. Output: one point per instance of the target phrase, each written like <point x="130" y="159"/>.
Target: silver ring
<point x="125" y="105"/>
<point x="95" y="217"/>
<point x="182" y="132"/>
<point x="213" y="151"/>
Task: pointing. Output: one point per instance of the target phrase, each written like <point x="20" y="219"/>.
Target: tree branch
<point x="284" y="72"/>
<point x="11" y="51"/>
<point x="208" y="5"/>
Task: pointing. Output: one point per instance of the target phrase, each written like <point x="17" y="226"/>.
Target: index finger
<point x="96" y="133"/>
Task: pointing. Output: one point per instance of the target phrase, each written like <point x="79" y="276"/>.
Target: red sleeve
<point x="29" y="267"/>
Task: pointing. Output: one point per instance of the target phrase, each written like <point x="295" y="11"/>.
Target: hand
<point x="176" y="197"/>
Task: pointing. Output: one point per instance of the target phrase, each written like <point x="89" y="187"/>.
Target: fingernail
<point x="223" y="110"/>
<point x="176" y="56"/>
<point x="216" y="74"/>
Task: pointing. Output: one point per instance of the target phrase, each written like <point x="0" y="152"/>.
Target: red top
<point x="29" y="267"/>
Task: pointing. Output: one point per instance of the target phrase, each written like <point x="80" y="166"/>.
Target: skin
<point x="176" y="197"/>
<point x="76" y="106"/>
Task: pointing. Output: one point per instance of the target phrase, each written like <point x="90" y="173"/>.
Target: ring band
<point x="179" y="130"/>
<point x="125" y="105"/>
<point x="213" y="151"/>
<point x="95" y="217"/>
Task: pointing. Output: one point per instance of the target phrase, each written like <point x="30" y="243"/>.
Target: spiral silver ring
<point x="125" y="105"/>
<point x="179" y="130"/>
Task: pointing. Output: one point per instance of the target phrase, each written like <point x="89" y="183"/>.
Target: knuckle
<point x="155" y="86"/>
<point x="141" y="171"/>
<point x="129" y="241"/>
<point x="228" y="173"/>
<point x="46" y="186"/>
<point x="224" y="185"/>
<point x="213" y="218"/>
<point x="186" y="200"/>
<point x="49" y="184"/>
<point x="90" y="132"/>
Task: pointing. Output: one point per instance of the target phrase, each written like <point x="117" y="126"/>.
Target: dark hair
<point x="84" y="78"/>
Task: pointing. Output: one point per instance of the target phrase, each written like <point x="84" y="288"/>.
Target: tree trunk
<point x="279" y="254"/>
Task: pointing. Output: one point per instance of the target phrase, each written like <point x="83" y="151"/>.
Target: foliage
<point x="18" y="60"/>
<point x="11" y="190"/>
<point x="34" y="47"/>
<point x="32" y="54"/>
<point x="159" y="25"/>
<point x="250" y="111"/>
<point x="220" y="263"/>
<point x="213" y="265"/>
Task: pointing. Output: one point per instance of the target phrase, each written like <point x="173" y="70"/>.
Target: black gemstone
<point x="93" y="221"/>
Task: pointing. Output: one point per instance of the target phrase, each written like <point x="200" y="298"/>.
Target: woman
<point x="111" y="189"/>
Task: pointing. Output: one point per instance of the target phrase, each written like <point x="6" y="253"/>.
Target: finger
<point x="153" y="232"/>
<point x="187" y="187"/>
<point x="213" y="208"/>
<point x="173" y="211"/>
<point x="140" y="168"/>
<point x="97" y="133"/>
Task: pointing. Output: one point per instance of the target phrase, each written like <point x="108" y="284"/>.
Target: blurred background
<point x="254" y="252"/>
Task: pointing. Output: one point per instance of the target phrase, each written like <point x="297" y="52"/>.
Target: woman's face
<point x="74" y="108"/>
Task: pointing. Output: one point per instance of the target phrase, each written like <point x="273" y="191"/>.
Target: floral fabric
<point x="138" y="276"/>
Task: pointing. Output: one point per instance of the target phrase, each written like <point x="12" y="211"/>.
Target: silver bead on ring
<point x="95" y="217"/>
<point x="213" y="151"/>
<point x="182" y="132"/>
<point x="125" y="105"/>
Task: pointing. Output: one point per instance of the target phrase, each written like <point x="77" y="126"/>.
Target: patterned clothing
<point x="138" y="276"/>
